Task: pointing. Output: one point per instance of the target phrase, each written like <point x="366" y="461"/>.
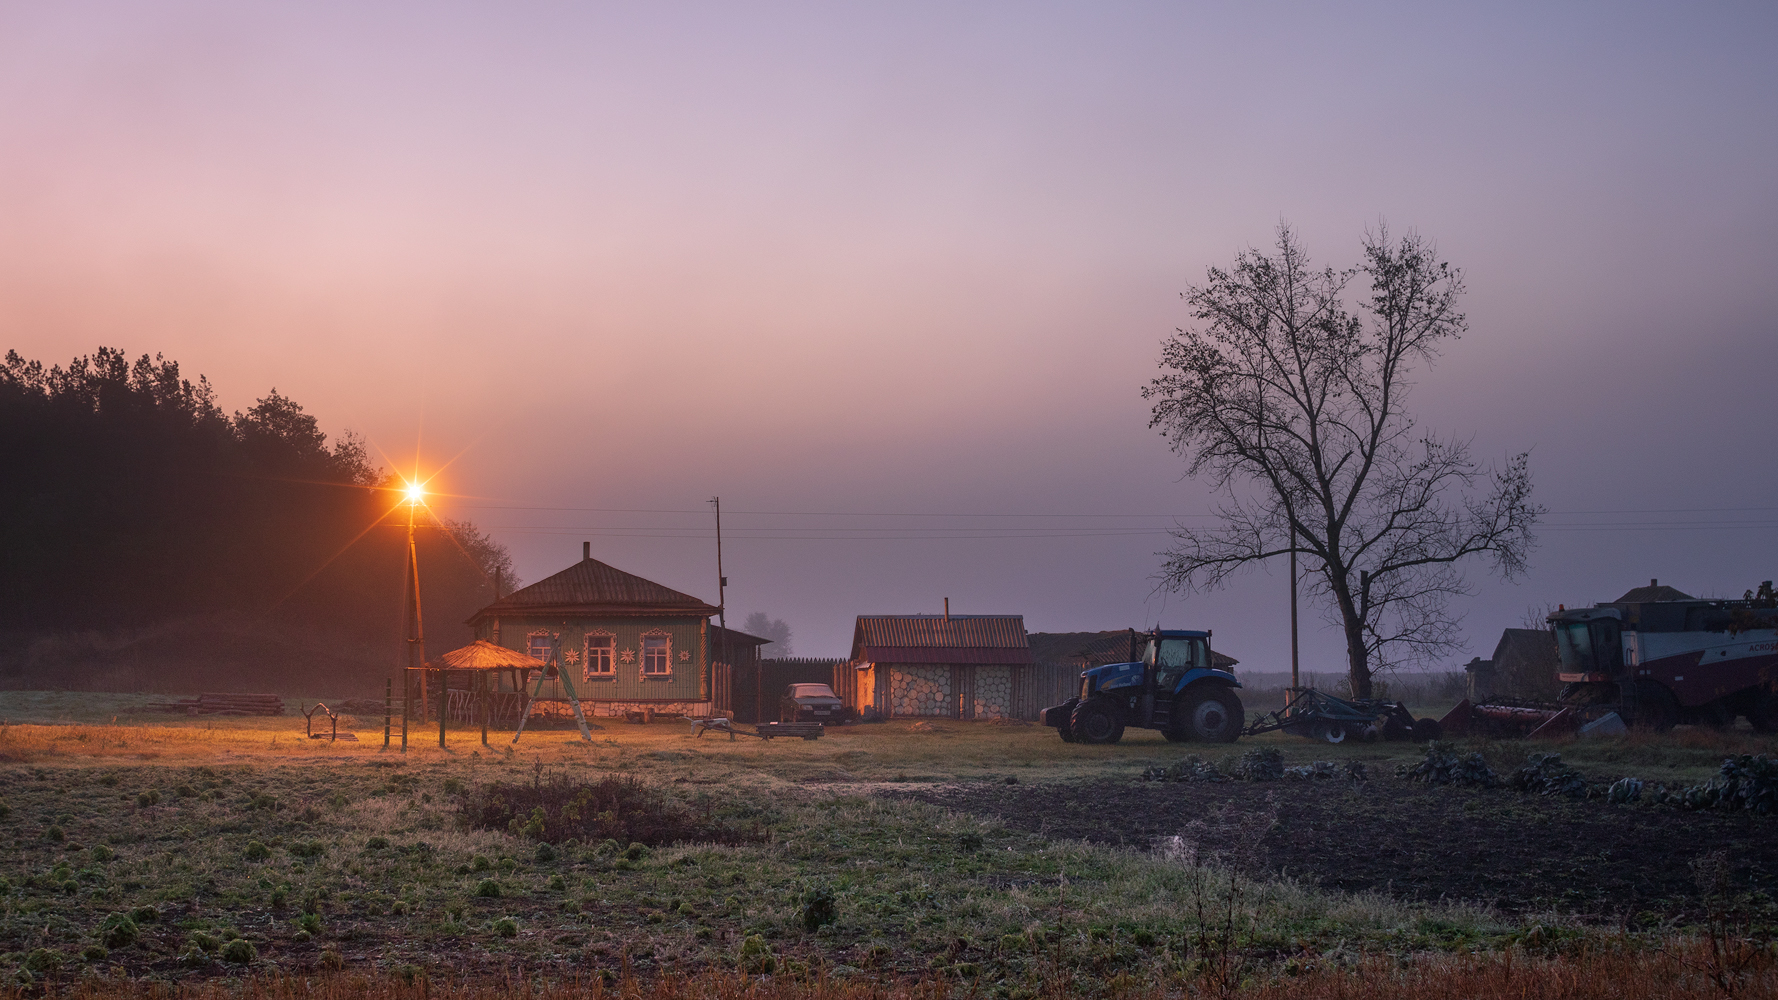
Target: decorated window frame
<point x="601" y="655"/>
<point x="656" y="654"/>
<point x="548" y="641"/>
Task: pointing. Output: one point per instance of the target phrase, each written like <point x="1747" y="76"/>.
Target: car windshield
<point x="811" y="691"/>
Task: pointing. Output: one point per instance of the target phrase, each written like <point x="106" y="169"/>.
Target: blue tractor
<point x="1168" y="684"/>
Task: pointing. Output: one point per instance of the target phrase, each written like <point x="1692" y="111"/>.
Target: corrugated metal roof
<point x="591" y="585"/>
<point x="938" y="631"/>
<point x="943" y="654"/>
<point x="938" y="639"/>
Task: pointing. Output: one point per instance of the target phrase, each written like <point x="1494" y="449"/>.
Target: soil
<point x="1513" y="851"/>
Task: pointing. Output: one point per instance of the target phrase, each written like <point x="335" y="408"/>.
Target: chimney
<point x="1653" y="582"/>
<point x="947" y="611"/>
<point x="586" y="551"/>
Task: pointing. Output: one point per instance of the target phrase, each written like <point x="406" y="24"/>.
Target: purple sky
<point x="913" y="260"/>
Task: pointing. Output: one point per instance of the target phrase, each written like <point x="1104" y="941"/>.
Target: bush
<point x="818" y="907"/>
<point x="145" y="915"/>
<point x="203" y="941"/>
<point x="148" y="798"/>
<point x="256" y="851"/>
<point x="488" y="889"/>
<point x="969" y="841"/>
<point x="332" y="960"/>
<point x="42" y="960"/>
<point x="557" y="883"/>
<point x="101" y="854"/>
<point x="118" y="931"/>
<point x="310" y="922"/>
<point x="545" y="852"/>
<point x="1442" y="766"/>
<point x="240" y="951"/>
<point x="308" y="849"/>
<point x="376" y="843"/>
<point x="506" y="927"/>
<point x="95" y="953"/>
<point x="56" y="834"/>
<point x="756" y="956"/>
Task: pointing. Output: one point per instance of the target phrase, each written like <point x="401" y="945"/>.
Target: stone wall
<point x="920" y="690"/>
<point x="993" y="692"/>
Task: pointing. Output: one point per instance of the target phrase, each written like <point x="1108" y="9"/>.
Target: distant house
<point x="627" y="644"/>
<point x="1524" y="666"/>
<point x="937" y="666"/>
<point x="1655" y="591"/>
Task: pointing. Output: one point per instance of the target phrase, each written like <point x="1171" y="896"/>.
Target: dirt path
<point x="1517" y="852"/>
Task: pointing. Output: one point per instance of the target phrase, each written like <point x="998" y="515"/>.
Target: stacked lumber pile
<point x="226" y="704"/>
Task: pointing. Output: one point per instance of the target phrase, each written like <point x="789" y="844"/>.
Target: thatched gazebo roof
<point x="484" y="655"/>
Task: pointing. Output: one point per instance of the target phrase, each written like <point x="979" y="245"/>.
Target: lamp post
<point x="416" y="637"/>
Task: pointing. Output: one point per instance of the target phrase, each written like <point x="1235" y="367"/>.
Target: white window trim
<point x="587" y="668"/>
<point x="642" y="654"/>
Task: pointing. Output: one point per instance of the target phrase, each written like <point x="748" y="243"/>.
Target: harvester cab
<point x="1168" y="683"/>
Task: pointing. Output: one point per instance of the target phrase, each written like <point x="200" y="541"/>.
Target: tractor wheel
<point x="1096" y="721"/>
<point x="1066" y="730"/>
<point x="1176" y="735"/>
<point x="1214" y="715"/>
<point x="1762" y="712"/>
<point x="1427" y="730"/>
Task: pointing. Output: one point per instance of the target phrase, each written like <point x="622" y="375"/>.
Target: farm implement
<point x="1320" y="716"/>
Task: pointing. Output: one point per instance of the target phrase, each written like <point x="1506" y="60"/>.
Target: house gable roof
<point x="1655" y="591"/>
<point x="940" y="639"/>
<point x="593" y="587"/>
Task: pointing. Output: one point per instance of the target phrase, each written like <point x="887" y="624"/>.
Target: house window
<point x="539" y="646"/>
<point x="657" y="655"/>
<point x="600" y="661"/>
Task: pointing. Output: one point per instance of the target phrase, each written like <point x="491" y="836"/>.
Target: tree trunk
<point x="1358" y="665"/>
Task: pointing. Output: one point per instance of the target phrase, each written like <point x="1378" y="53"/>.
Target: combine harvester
<point x="1655" y="664"/>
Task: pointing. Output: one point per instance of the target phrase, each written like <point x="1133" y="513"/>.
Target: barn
<point x="937" y="667"/>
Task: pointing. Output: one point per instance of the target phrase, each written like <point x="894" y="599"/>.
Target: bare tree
<point x="766" y="627"/>
<point x="1292" y="405"/>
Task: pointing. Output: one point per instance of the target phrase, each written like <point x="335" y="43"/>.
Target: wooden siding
<point x="689" y="681"/>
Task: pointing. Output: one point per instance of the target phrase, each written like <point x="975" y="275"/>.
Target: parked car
<point x="810" y="703"/>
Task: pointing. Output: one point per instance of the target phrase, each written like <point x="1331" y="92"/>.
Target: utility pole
<point x="1294" y="681"/>
<point x="722" y="610"/>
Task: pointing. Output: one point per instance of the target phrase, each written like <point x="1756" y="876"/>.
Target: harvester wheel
<point x="1427" y="730"/>
<point x="1763" y="712"/>
<point x="1095" y="721"/>
<point x="1214" y="715"/>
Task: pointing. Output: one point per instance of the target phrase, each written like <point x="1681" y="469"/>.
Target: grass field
<point x="979" y="858"/>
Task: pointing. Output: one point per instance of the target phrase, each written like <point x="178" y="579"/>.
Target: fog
<point x="889" y="281"/>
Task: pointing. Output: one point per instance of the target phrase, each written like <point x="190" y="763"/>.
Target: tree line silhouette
<point x="153" y="541"/>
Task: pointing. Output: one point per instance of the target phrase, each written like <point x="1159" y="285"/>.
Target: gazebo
<point x="480" y="660"/>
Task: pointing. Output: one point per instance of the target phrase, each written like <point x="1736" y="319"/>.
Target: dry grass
<point x="1618" y="974"/>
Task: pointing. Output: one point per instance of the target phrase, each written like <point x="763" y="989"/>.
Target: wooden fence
<point x="754" y="690"/>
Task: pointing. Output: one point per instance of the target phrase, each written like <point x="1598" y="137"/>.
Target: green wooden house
<point x="628" y="644"/>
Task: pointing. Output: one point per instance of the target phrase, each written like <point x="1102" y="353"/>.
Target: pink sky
<point x="911" y="259"/>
